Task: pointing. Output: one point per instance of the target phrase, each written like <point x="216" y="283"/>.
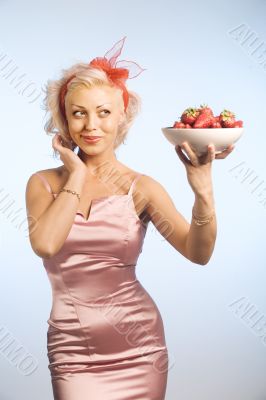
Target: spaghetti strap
<point x="133" y="183"/>
<point x="46" y="183"/>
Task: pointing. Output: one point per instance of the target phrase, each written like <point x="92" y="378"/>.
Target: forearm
<point x="201" y="239"/>
<point x="53" y="226"/>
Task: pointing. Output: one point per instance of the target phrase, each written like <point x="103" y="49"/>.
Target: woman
<point x="88" y="219"/>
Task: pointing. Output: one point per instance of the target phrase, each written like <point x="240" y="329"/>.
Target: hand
<point x="70" y="159"/>
<point x="199" y="167"/>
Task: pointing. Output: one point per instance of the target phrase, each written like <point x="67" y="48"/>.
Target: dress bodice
<point x="99" y="253"/>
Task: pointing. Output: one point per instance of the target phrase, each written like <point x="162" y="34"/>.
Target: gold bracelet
<point x="202" y="220"/>
<point x="70" y="191"/>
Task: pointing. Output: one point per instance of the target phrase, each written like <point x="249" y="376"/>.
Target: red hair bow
<point x="117" y="71"/>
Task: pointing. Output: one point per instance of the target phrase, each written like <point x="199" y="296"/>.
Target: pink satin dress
<point x="106" y="337"/>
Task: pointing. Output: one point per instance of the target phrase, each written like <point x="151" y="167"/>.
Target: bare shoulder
<point x="146" y="186"/>
<point x="148" y="192"/>
<point x="38" y="194"/>
<point x="162" y="212"/>
<point x="52" y="175"/>
<point x="158" y="201"/>
<point x="149" y="187"/>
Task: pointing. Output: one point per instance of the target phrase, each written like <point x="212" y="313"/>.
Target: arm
<point x="195" y="242"/>
<point x="201" y="239"/>
<point x="50" y="219"/>
<point x="192" y="241"/>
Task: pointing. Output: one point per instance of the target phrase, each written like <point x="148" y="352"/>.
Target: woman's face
<point x="95" y="111"/>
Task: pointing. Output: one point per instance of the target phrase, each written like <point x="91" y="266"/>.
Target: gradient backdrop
<point x="194" y="52"/>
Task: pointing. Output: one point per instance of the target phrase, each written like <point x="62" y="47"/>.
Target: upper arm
<point x="164" y="215"/>
<point x="37" y="200"/>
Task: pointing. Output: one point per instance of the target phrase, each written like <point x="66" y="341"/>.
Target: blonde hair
<point x="85" y="76"/>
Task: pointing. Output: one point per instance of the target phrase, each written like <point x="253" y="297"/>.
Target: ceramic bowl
<point x="199" y="139"/>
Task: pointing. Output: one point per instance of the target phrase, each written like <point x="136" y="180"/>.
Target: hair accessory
<point x="117" y="71"/>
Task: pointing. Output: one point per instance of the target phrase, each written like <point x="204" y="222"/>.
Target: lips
<point x="92" y="137"/>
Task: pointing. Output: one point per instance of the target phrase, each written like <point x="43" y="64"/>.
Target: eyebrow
<point x="85" y="107"/>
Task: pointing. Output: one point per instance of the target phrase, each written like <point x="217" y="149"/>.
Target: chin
<point x="90" y="149"/>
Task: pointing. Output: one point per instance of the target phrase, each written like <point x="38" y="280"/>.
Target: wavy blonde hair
<point x="85" y="76"/>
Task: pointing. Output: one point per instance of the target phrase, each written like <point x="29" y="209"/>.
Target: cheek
<point x="75" y="124"/>
<point x="110" y="123"/>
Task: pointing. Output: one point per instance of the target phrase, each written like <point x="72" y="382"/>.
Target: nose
<point x="91" y="122"/>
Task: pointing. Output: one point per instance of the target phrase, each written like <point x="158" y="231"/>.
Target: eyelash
<point x="74" y="113"/>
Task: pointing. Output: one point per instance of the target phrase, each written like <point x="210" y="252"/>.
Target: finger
<point x="191" y="154"/>
<point x="207" y="156"/>
<point x="55" y="138"/>
<point x="182" y="156"/>
<point x="211" y="153"/>
<point x="54" y="142"/>
<point x="57" y="142"/>
<point x="225" y="152"/>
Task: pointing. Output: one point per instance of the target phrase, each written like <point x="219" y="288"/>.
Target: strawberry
<point x="189" y="115"/>
<point x="227" y="119"/>
<point x="204" y="120"/>
<point x="188" y="126"/>
<point x="179" y="125"/>
<point x="205" y="109"/>
<point x="238" y="124"/>
<point x="216" y="124"/>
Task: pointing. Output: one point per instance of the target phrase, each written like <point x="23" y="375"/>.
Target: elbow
<point x="42" y="251"/>
<point x="204" y="262"/>
<point x="199" y="261"/>
<point x="46" y="255"/>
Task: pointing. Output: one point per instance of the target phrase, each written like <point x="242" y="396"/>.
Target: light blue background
<point x="190" y="58"/>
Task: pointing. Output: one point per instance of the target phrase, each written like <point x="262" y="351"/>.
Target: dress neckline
<point x="102" y="198"/>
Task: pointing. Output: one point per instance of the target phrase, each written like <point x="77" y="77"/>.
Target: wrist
<point x="205" y="196"/>
<point x="204" y="204"/>
<point x="79" y="173"/>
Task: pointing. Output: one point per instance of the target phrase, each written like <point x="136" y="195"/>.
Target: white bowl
<point x="199" y="139"/>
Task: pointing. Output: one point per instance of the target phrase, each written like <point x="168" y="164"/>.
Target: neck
<point x="100" y="164"/>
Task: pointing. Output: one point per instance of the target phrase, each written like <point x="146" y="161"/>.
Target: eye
<point x="74" y="113"/>
<point x="108" y="112"/>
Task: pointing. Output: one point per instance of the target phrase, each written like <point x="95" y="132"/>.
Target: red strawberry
<point x="227" y="119"/>
<point x="188" y="126"/>
<point x="238" y="124"/>
<point x="216" y="124"/>
<point x="189" y="115"/>
<point x="205" y="109"/>
<point x="204" y="120"/>
<point x="179" y="125"/>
